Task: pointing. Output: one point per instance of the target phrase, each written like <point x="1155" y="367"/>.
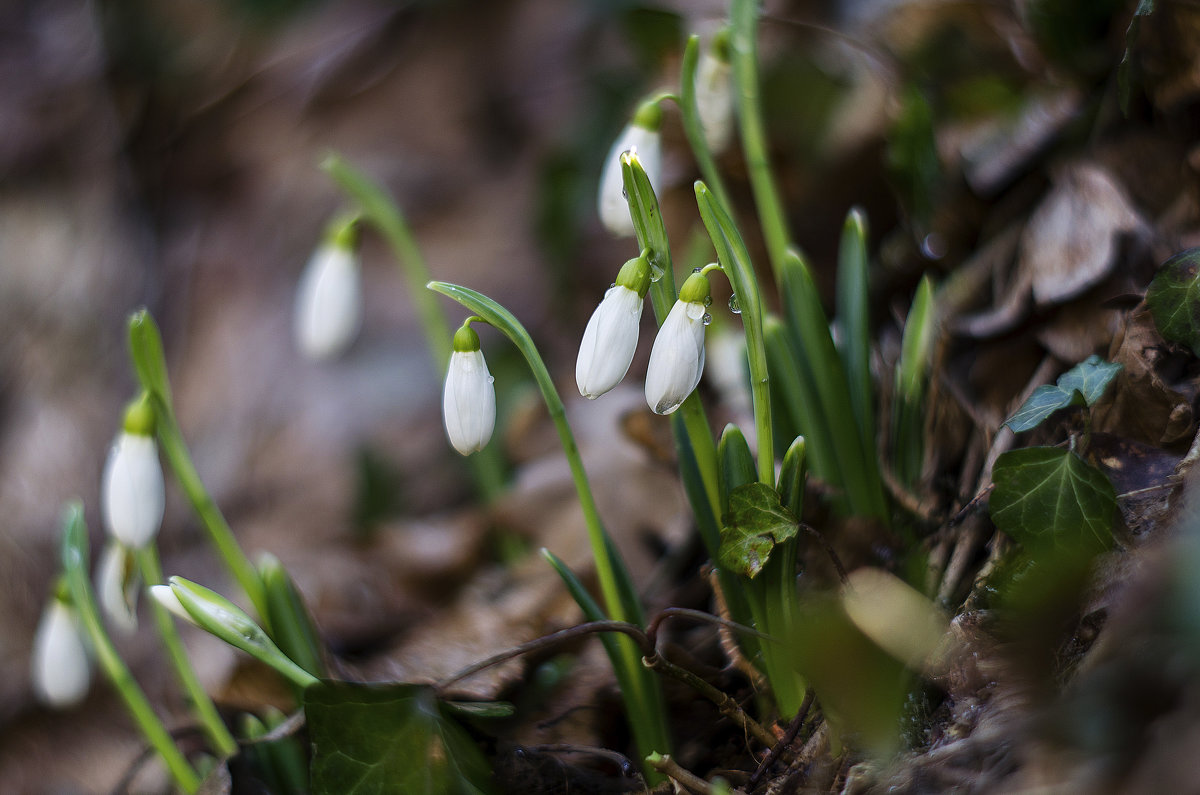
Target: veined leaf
<point x="372" y="740"/>
<point x="1174" y="299"/>
<point x="1047" y="497"/>
<point x="756" y="522"/>
<point x="1083" y="384"/>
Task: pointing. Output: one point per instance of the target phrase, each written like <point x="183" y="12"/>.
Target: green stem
<point x="219" y="532"/>
<point x="620" y="597"/>
<point x="743" y="19"/>
<point x="382" y="211"/>
<point x="145" y="348"/>
<point x="75" y="561"/>
<point x="692" y="127"/>
<point x="218" y="735"/>
<point x="735" y="262"/>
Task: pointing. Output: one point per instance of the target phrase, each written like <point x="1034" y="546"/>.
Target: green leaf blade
<point x="1090" y="378"/>
<point x="1174" y="299"/>
<point x="757" y="521"/>
<point x="1046" y="497"/>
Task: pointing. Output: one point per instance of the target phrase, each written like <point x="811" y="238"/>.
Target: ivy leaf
<point x="1083" y="384"/>
<point x="374" y="740"/>
<point x="1089" y="378"/>
<point x="1047" y="497"/>
<point x="1174" y="299"/>
<point x="756" y="522"/>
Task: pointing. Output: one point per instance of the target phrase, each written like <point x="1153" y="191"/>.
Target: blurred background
<point x="167" y="155"/>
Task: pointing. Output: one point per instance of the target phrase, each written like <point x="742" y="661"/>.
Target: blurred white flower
<point x="60" y="668"/>
<point x="117" y="585"/>
<point x="677" y="358"/>
<point x="328" y="302"/>
<point x="131" y="490"/>
<point x="714" y="95"/>
<point x="469" y="399"/>
<point x="165" y="596"/>
<point x="641" y="137"/>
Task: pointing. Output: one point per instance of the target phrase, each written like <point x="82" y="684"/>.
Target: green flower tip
<point x="856" y="219"/>
<point x="648" y="115"/>
<point x="139" y="416"/>
<point x="720" y="46"/>
<point x="342" y="232"/>
<point x="465" y="339"/>
<point x="695" y="289"/>
<point x="635" y="274"/>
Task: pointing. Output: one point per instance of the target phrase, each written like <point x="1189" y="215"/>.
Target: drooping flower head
<point x="611" y="336"/>
<point x="131" y="490"/>
<point x="714" y="93"/>
<point x="677" y="358"/>
<point x="642" y="137"/>
<point x="329" y="297"/>
<point x="60" y="668"/>
<point x="469" y="399"/>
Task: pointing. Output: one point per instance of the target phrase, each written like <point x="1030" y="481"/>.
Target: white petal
<point x="609" y="342"/>
<point x="328" y="303"/>
<point x="131" y="493"/>
<point x="613" y="207"/>
<point x="60" y="668"/>
<point x="165" y="596"/>
<point x="117" y="587"/>
<point x="469" y="402"/>
<point x="677" y="358"/>
<point x="714" y="100"/>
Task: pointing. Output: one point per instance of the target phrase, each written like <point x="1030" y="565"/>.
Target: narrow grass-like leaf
<point x="146" y="350"/>
<point x="651" y="232"/>
<point x="912" y="376"/>
<point x="854" y="339"/>
<point x="792" y="475"/>
<point x="735" y="463"/>
<point x="692" y="127"/>
<point x="291" y="622"/>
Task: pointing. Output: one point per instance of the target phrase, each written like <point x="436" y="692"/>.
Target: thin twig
<point x="833" y="556"/>
<point x="785" y="742"/>
<point x="684" y="778"/>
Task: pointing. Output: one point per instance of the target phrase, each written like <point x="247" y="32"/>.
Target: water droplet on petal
<point x="708" y="300"/>
<point x="695" y="270"/>
<point x="932" y="246"/>
<point x="734" y="306"/>
<point x="707" y="318"/>
<point x="491" y="379"/>
<point x="614" y="284"/>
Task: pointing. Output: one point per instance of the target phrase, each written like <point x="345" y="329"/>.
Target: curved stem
<point x="380" y="210"/>
<point x="218" y="735"/>
<point x="74" y="561"/>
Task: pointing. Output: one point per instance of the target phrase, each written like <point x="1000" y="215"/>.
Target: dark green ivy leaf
<point x="756" y="522"/>
<point x="1083" y="384"/>
<point x="377" y="740"/>
<point x="1047" y="497"/>
<point x="1174" y="299"/>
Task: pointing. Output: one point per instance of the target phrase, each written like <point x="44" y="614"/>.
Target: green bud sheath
<point x="635" y="274"/>
<point x="466" y="340"/>
<point x="139" y="416"/>
<point x="648" y="115"/>
<point x="695" y="289"/>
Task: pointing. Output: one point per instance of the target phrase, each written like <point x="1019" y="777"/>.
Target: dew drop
<point x="708" y="300"/>
<point x="734" y="306"/>
<point x="707" y="318"/>
<point x="695" y="270"/>
<point x="491" y="379"/>
<point x="656" y="271"/>
<point x="614" y="284"/>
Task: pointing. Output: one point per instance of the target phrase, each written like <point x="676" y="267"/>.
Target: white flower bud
<point x="609" y="342"/>
<point x="640" y="136"/>
<point x="328" y="302"/>
<point x="677" y="358"/>
<point x="117" y="582"/>
<point x="714" y="97"/>
<point x="165" y="596"/>
<point x="131" y="491"/>
<point x="469" y="399"/>
<point x="60" y="669"/>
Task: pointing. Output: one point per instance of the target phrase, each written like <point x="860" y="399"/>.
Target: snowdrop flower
<point x="329" y="297"/>
<point x="131" y="491"/>
<point x="640" y="136"/>
<point x="469" y="399"/>
<point x="60" y="669"/>
<point x="117" y="584"/>
<point x="677" y="358"/>
<point x="714" y="93"/>
<point x="611" y="336"/>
